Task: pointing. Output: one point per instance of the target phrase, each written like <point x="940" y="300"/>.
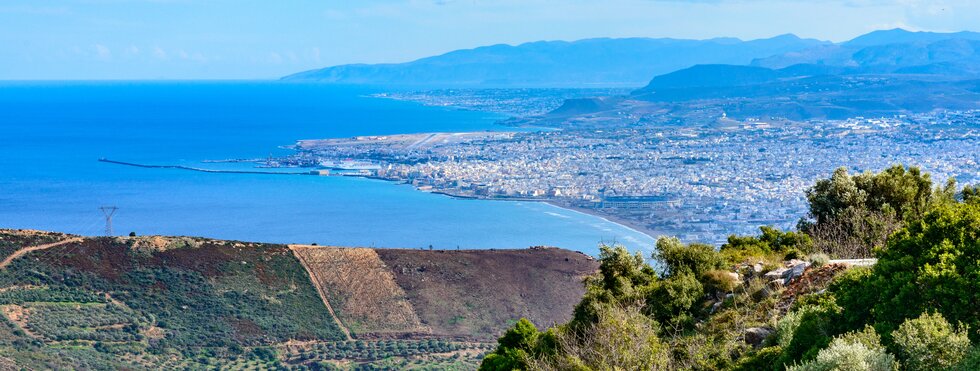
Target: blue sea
<point x="53" y="133"/>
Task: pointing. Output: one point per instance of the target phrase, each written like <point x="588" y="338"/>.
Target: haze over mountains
<point x="590" y="62"/>
<point x="634" y="61"/>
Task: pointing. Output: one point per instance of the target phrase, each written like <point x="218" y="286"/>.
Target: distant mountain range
<point x="591" y="62"/>
<point x="633" y="61"/>
<point x="893" y="51"/>
<point x="881" y="73"/>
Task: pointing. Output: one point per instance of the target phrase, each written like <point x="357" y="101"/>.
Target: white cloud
<point x="159" y="53"/>
<point x="102" y="52"/>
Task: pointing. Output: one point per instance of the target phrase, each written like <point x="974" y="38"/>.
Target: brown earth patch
<point x="477" y="294"/>
<point x="361" y="290"/>
<point x="812" y="280"/>
<point x="18" y="316"/>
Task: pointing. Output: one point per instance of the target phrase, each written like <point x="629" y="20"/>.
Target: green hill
<point x="179" y="302"/>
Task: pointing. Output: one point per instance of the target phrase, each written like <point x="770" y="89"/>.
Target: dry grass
<point x="477" y="294"/>
<point x="361" y="290"/>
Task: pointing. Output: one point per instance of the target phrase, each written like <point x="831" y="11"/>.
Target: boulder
<point x="776" y="273"/>
<point x="735" y="277"/>
<point x="795" y="271"/>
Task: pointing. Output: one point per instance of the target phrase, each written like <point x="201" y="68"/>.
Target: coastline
<point x="628" y="224"/>
<point x="622" y="222"/>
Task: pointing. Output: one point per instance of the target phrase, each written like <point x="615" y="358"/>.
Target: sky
<point x="261" y="39"/>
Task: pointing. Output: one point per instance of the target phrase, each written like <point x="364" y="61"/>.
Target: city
<point x="697" y="182"/>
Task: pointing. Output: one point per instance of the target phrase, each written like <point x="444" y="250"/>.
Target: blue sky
<point x="255" y="39"/>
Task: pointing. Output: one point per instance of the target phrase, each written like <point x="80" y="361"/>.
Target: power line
<point x="108" y="211"/>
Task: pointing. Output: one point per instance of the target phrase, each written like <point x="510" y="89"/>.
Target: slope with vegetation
<point x="707" y="309"/>
<point x="179" y="302"/>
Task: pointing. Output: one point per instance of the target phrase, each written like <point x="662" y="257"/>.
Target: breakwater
<point x="181" y="167"/>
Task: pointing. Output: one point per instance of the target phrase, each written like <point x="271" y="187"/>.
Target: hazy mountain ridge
<point x="589" y="62"/>
<point x="881" y="73"/>
<point x="893" y="51"/>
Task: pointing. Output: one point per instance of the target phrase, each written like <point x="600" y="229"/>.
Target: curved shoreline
<point x="627" y="224"/>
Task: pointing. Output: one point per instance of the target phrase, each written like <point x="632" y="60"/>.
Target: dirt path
<point x="25" y="250"/>
<point x="314" y="280"/>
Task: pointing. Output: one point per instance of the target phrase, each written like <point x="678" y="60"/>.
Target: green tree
<point x="514" y="348"/>
<point x="970" y="194"/>
<point x="623" y="279"/>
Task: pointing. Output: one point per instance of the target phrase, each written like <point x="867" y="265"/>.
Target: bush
<point x="677" y="258"/>
<point x="514" y="349"/>
<point x="785" y="327"/>
<point x="622" y="339"/>
<point x="932" y="264"/>
<point x="971" y="362"/>
<point x="719" y="281"/>
<point x="764" y="359"/>
<point x="818" y="322"/>
<point x="819" y="259"/>
<point x="930" y="343"/>
<point x="770" y="242"/>
<point x="672" y="299"/>
<point x="846" y="355"/>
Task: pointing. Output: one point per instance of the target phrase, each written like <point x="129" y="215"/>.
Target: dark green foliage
<point x="932" y="264"/>
<point x="679" y="259"/>
<point x="971" y="362"/>
<point x="971" y="194"/>
<point x="763" y="359"/>
<point x="770" y="241"/>
<point x="906" y="191"/>
<point x="819" y="322"/>
<point x="673" y="298"/>
<point x="514" y="348"/>
<point x="50" y="295"/>
<point x="365" y="351"/>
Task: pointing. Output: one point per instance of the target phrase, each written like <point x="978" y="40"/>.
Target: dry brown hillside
<point x="466" y="295"/>
<point x="478" y="293"/>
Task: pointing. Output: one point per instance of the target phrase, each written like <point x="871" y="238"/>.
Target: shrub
<point x="930" y="343"/>
<point x="817" y="324"/>
<point x="677" y="258"/>
<point x="770" y="242"/>
<point x="719" y="281"/>
<point x="672" y="299"/>
<point x="514" y="348"/>
<point x="764" y="359"/>
<point x="971" y="362"/>
<point x="819" y="259"/>
<point x="846" y="355"/>
<point x="622" y="339"/>
<point x="933" y="263"/>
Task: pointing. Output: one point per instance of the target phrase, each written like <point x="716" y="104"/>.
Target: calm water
<point x="51" y="135"/>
